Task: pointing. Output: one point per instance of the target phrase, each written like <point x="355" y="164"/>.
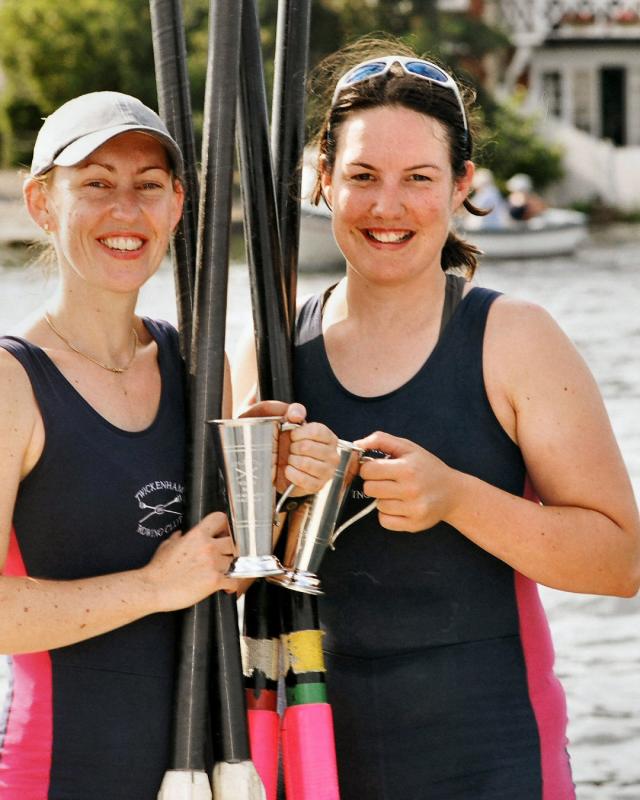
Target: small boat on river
<point x="554" y="232"/>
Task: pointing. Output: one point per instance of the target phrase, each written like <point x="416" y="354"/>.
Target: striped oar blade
<point x="272" y="347"/>
<point x="313" y="756"/>
<point x="261" y="663"/>
<point x="308" y="749"/>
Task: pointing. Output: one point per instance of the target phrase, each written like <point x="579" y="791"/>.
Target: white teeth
<point x="389" y="237"/>
<point x="122" y="243"/>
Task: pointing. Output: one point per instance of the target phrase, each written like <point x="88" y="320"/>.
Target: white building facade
<point x="580" y="60"/>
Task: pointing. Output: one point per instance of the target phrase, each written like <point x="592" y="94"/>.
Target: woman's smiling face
<point x="392" y="192"/>
<point x="112" y="215"/>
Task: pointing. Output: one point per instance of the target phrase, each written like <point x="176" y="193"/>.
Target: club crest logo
<point x="161" y="508"/>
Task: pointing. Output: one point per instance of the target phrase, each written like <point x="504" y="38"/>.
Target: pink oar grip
<point x="308" y="753"/>
<point x="263" y="737"/>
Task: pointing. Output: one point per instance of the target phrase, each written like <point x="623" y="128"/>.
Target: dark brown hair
<point x="395" y="88"/>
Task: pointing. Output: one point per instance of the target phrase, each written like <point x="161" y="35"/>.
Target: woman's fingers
<point x="312" y="432"/>
<point x="292" y="412"/>
<point x="382" y="489"/>
<point x="312" y="457"/>
<point x="266" y="408"/>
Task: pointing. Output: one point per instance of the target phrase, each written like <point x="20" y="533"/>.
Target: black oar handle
<point x="206" y="374"/>
<point x="174" y="101"/>
<point x="288" y="131"/>
<point x="268" y="293"/>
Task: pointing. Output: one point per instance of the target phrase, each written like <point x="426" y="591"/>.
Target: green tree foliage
<point x="509" y="142"/>
<point x="52" y="51"/>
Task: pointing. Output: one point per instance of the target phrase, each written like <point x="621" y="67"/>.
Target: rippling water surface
<point x="595" y="296"/>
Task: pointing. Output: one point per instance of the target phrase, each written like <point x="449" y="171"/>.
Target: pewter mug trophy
<point x="247" y="449"/>
<point x="311" y="525"/>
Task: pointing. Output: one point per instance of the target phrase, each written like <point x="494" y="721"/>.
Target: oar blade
<point x="185" y="785"/>
<point x="237" y="781"/>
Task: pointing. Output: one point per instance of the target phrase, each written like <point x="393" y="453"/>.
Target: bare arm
<point x="586" y="536"/>
<point x="244" y="373"/>
<point x="42" y="614"/>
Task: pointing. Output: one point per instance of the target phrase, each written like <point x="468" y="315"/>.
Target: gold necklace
<point x="117" y="370"/>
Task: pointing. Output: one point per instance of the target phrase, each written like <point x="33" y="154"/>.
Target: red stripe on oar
<point x="309" y="753"/>
<point x="266" y="700"/>
<point x="264" y="728"/>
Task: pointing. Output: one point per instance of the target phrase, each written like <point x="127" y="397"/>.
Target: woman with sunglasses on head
<point x="440" y="666"/>
<point x="92" y="449"/>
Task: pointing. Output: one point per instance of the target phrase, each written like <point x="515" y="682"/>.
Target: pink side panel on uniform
<point x="545" y="691"/>
<point x="25" y="758"/>
<point x="309" y="753"/>
<point x="264" y="729"/>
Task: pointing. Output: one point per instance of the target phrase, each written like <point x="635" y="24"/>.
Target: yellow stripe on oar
<point x="303" y="651"/>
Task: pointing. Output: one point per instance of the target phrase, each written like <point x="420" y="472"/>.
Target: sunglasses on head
<point x="416" y="67"/>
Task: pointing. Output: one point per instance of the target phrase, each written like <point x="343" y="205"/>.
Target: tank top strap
<point x="46" y="380"/>
<point x="309" y="319"/>
<point x="469" y="319"/>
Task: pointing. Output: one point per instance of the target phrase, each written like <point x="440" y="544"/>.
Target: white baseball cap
<point x="85" y="123"/>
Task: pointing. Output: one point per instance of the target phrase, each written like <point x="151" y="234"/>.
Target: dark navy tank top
<point x="428" y="655"/>
<point x="93" y="719"/>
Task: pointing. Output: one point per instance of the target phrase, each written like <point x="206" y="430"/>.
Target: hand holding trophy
<point x="248" y="450"/>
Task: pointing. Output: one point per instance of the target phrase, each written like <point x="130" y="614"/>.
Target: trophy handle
<point x="363" y="513"/>
<point x="284" y="426"/>
<point x="283" y="499"/>
<point x="289" y="426"/>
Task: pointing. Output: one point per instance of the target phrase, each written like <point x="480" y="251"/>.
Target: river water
<point x="595" y="296"/>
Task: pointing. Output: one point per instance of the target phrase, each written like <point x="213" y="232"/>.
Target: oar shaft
<point x="231" y="738"/>
<point x="190" y="717"/>
<point x="174" y="101"/>
<point x="268" y="292"/>
<point x="206" y="374"/>
<point x="288" y="130"/>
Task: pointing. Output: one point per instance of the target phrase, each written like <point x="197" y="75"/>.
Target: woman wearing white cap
<point x="92" y="441"/>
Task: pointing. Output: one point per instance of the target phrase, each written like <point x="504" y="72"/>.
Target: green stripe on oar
<point x="304" y="693"/>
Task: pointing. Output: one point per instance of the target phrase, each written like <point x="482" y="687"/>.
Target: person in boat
<point x="523" y="202"/>
<point x="494" y="464"/>
<point x="92" y="454"/>
<point x="486" y="195"/>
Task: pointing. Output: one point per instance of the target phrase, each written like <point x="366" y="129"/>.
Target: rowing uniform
<point x="439" y="658"/>
<point x="92" y="720"/>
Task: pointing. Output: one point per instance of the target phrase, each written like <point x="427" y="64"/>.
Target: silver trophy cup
<point x="248" y="451"/>
<point x="312" y="525"/>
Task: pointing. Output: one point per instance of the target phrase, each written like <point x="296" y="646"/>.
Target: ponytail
<point x="459" y="254"/>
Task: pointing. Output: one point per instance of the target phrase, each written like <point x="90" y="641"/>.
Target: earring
<point x="45" y="227"/>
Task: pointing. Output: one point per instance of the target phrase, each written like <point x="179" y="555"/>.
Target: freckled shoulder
<point x="19" y="413"/>
<point x="521" y="336"/>
<point x="526" y="355"/>
<point x="18" y="418"/>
